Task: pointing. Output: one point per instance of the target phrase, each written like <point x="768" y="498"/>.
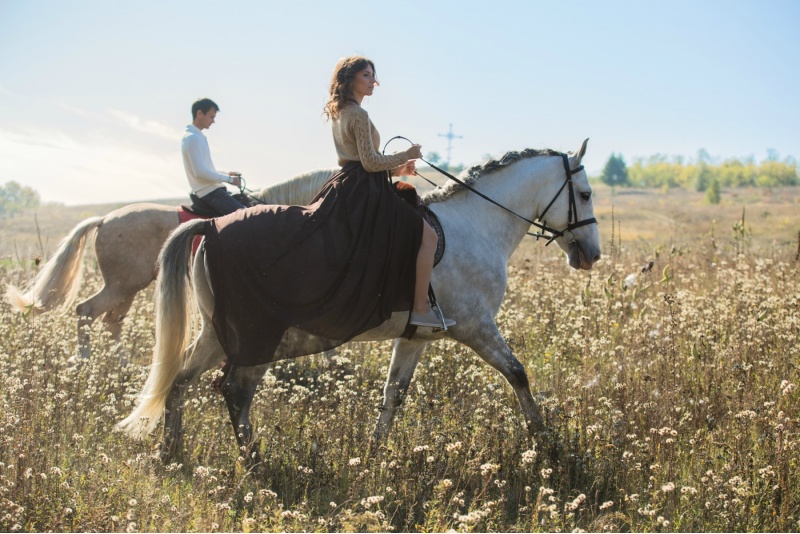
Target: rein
<point x="572" y="221"/>
<point x="247" y="193"/>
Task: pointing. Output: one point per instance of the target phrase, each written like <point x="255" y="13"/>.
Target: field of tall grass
<point x="670" y="392"/>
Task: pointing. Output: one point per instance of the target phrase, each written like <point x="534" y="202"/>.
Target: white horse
<point x="126" y="244"/>
<point x="470" y="283"/>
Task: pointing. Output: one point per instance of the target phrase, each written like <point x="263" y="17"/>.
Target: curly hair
<point x="342" y="83"/>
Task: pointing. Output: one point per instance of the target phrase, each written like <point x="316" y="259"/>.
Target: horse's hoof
<point x="377" y="440"/>
<point x="256" y="467"/>
<point x="122" y="354"/>
<point x="160" y="457"/>
<point x="537" y="430"/>
<point x="164" y="453"/>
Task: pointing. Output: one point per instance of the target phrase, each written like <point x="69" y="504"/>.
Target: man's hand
<point x="236" y="178"/>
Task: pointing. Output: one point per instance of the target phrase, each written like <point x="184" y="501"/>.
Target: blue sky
<point x="94" y="95"/>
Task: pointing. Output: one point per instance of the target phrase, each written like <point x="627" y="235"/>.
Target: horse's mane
<point x="473" y="174"/>
<point x="303" y="186"/>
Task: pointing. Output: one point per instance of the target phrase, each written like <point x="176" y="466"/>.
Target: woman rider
<point x="335" y="268"/>
<point x="356" y="140"/>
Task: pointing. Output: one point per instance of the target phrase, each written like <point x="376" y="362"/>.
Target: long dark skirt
<point x="334" y="269"/>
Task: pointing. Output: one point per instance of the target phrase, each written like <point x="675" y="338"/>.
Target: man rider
<point x="207" y="183"/>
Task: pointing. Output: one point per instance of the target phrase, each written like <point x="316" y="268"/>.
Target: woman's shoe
<point x="431" y="319"/>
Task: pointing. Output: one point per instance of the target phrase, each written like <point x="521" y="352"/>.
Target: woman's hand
<point x="415" y="152"/>
<point x="409" y="168"/>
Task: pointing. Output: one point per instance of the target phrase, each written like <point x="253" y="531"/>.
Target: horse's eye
<point x="586" y="196"/>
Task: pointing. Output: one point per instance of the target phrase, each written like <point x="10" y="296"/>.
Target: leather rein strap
<point x="572" y="221"/>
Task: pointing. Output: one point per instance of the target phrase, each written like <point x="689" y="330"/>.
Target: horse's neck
<point x="285" y="193"/>
<point x="299" y="190"/>
<point x="519" y="187"/>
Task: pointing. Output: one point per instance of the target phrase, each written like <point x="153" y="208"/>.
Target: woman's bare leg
<point x="425" y="257"/>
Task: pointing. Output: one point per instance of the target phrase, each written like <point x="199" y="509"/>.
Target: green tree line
<point x="15" y="198"/>
<point x="664" y="171"/>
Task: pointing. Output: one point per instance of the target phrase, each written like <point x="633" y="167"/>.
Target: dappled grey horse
<point x="470" y="283"/>
<point x="126" y="243"/>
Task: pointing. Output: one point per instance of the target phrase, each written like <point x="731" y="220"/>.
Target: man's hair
<point x="205" y="105"/>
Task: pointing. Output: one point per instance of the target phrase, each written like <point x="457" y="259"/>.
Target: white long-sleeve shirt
<point x="203" y="177"/>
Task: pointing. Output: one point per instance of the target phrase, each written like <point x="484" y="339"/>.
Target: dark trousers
<point x="219" y="201"/>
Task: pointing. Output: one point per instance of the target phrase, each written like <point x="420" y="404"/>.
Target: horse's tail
<point x="173" y="332"/>
<point x="60" y="278"/>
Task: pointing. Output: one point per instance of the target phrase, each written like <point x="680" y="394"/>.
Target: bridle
<point x="572" y="220"/>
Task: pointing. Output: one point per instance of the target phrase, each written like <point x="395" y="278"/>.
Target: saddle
<point x="200" y="210"/>
<point x="203" y="210"/>
<point x="408" y="192"/>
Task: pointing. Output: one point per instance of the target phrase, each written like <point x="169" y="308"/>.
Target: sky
<point x="94" y="95"/>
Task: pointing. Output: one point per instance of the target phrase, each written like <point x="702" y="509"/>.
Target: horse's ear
<point x="581" y="151"/>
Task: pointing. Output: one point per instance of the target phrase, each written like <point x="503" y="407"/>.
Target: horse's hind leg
<point x="113" y="321"/>
<point x="405" y="358"/>
<point x="201" y="356"/>
<point x="90" y="309"/>
<point x="238" y="388"/>
<point x="492" y="348"/>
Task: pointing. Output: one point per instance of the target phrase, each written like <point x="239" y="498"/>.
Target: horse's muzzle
<point x="582" y="257"/>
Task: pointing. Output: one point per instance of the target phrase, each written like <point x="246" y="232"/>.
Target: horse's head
<point x="573" y="212"/>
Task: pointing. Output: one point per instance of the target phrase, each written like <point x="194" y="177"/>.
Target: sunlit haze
<point x="95" y="95"/>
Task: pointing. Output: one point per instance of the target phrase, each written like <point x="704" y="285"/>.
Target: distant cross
<point x="450" y="136"/>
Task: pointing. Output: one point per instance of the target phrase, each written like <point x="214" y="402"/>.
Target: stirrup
<point x="433" y="318"/>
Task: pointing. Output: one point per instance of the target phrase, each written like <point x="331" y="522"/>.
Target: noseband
<point x="572" y="220"/>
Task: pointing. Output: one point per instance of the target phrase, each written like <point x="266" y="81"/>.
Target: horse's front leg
<point x="238" y="388"/>
<point x="84" y="338"/>
<point x="492" y="348"/>
<point x="405" y="357"/>
<point x="104" y="301"/>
